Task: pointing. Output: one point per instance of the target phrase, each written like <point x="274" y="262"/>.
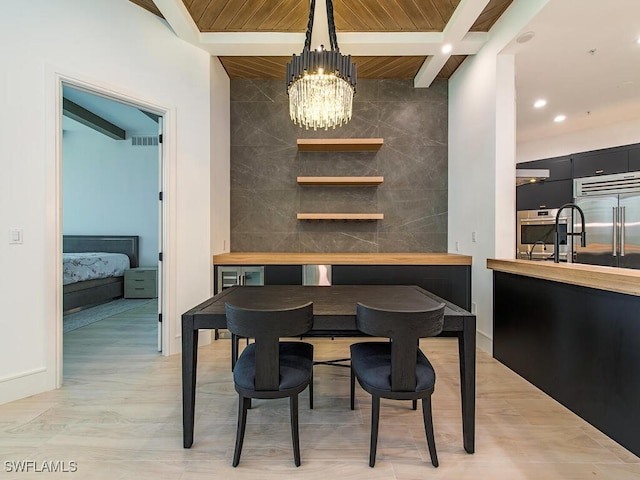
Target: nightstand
<point x="141" y="282"/>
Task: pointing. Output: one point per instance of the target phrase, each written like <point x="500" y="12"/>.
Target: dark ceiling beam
<point x="91" y="120"/>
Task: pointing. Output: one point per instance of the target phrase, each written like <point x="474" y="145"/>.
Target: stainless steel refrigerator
<point x="611" y="206"/>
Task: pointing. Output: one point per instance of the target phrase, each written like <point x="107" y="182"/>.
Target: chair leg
<point x="375" y="420"/>
<point x="293" y="410"/>
<point x="415" y="404"/>
<point x="234" y="350"/>
<point x="353" y="389"/>
<point x="243" y="404"/>
<point x="428" y="428"/>
<point x="311" y="391"/>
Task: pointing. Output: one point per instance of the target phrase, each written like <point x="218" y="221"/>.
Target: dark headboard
<point x="127" y="244"/>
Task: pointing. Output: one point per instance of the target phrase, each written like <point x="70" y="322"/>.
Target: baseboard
<point x="484" y="342"/>
<point x="25" y="384"/>
<point x="204" y="338"/>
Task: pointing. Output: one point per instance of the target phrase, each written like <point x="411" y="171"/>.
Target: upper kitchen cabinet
<point x="601" y="162"/>
<point x="553" y="192"/>
<point x="559" y="167"/>
<point x="634" y="159"/>
<point x="545" y="194"/>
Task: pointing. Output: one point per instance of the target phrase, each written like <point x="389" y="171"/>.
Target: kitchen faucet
<point x="544" y="247"/>
<point x="556" y="236"/>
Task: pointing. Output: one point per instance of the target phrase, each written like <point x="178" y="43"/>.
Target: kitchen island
<point x="573" y="331"/>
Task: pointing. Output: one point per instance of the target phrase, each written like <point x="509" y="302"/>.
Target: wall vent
<point x="144" y="140"/>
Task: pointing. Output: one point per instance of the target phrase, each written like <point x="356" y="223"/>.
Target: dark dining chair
<point x="395" y="369"/>
<point x="270" y="368"/>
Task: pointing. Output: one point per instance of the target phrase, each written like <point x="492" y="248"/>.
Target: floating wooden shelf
<point x="341" y="181"/>
<point x="341" y="216"/>
<point x="339" y="144"/>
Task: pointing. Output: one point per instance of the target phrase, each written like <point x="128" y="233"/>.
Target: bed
<point x="80" y="292"/>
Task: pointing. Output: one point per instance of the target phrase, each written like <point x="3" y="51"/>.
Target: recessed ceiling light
<point x="525" y="37"/>
<point x="638" y="41"/>
<point x="540" y="103"/>
<point x="447" y="48"/>
<point x="560" y="118"/>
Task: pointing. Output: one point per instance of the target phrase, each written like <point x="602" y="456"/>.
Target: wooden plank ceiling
<point x="350" y="16"/>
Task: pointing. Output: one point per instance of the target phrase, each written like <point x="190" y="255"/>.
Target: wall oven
<point x="535" y="235"/>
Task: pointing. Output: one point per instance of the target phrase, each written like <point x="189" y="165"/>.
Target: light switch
<point x="474" y="237"/>
<point x="15" y="235"/>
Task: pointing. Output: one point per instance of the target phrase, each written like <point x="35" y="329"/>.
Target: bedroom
<point x="110" y="204"/>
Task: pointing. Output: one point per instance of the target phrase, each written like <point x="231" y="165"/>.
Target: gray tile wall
<point x="265" y="162"/>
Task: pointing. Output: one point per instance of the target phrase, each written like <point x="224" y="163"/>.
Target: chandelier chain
<point x="307" y="38"/>
<point x="333" y="38"/>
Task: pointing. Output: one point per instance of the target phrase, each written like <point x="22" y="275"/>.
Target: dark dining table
<point x="334" y="315"/>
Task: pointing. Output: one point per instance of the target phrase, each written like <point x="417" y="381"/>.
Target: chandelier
<point x="321" y="83"/>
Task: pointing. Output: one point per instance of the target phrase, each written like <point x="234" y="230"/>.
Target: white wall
<point x="220" y="159"/>
<point x="612" y="135"/>
<point x="110" y="187"/>
<point x="122" y="48"/>
<point x="482" y="159"/>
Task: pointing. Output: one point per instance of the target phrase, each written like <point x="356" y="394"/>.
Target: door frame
<point x="54" y="232"/>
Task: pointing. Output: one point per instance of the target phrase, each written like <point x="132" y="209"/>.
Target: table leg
<point x="467" y="354"/>
<point x="189" y="366"/>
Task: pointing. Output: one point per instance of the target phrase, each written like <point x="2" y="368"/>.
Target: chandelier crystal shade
<point x="321" y="83"/>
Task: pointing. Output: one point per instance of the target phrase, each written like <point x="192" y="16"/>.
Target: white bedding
<point x="78" y="267"/>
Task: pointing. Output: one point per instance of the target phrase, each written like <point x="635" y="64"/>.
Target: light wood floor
<point x="119" y="416"/>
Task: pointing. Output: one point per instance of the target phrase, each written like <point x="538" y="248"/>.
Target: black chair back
<point x="267" y="327"/>
<point x="404" y="328"/>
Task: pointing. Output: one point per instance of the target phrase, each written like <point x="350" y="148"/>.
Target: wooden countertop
<point x="268" y="258"/>
<point x="620" y="280"/>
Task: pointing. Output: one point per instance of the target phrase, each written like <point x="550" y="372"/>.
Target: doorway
<point x="112" y="173"/>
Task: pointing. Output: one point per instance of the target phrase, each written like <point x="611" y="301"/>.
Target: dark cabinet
<point x="553" y="192"/>
<point x="567" y="341"/>
<point x="546" y="194"/>
<point x="283" y="274"/>
<point x="559" y="167"/>
<point x="451" y="282"/>
<point x="634" y="159"/>
<point x="607" y="162"/>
